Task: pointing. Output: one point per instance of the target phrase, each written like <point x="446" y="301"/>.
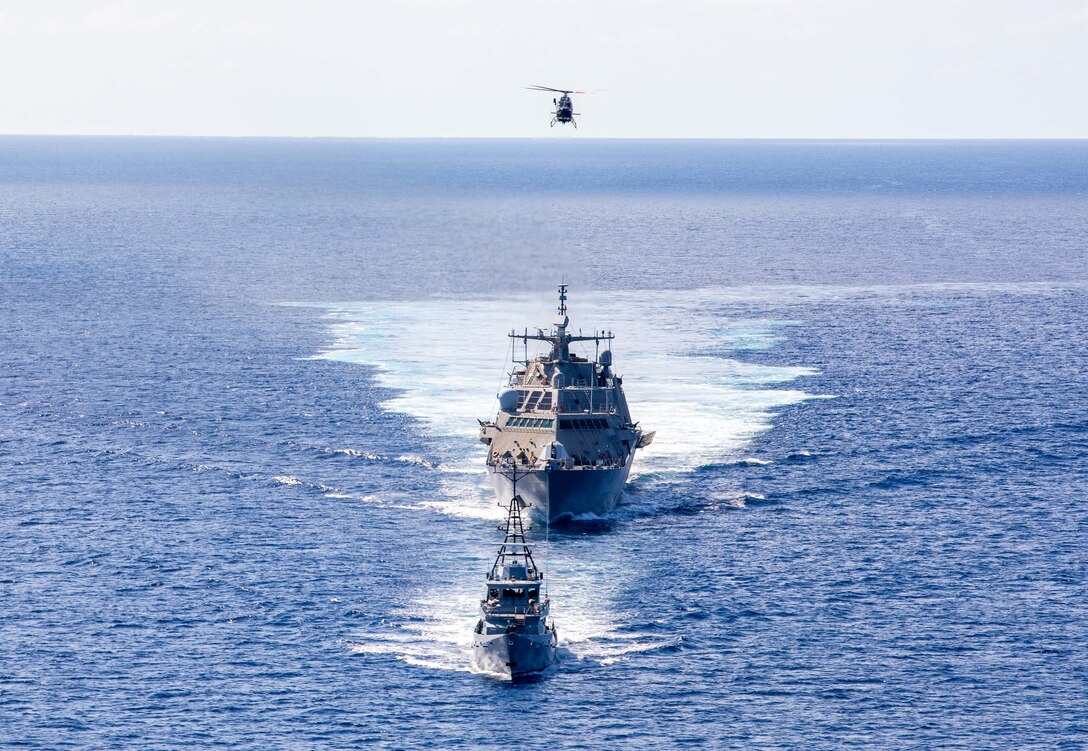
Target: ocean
<point x="243" y="502"/>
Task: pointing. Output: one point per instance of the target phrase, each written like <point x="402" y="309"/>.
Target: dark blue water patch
<point x="896" y="480"/>
<point x="582" y="527"/>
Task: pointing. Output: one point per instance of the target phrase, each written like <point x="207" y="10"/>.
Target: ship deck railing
<point x="515" y="583"/>
<point x="539" y="466"/>
<point x="519" y="612"/>
<point x="540" y="395"/>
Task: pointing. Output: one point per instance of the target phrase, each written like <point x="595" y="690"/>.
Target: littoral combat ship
<point x="513" y="636"/>
<point x="564" y="422"/>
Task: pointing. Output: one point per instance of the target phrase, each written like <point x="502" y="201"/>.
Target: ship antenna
<point x="562" y="299"/>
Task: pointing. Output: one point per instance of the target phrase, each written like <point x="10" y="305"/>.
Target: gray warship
<point x="513" y="636"/>
<point x="563" y="421"/>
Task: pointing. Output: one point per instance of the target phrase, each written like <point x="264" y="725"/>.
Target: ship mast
<point x="514" y="550"/>
<point x="559" y="338"/>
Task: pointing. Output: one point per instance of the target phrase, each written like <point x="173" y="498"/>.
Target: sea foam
<point x="445" y="360"/>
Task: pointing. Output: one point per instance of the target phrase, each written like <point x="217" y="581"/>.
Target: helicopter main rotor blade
<point x="536" y="87"/>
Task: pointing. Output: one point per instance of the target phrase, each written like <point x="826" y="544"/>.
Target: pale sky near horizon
<point x="669" y="68"/>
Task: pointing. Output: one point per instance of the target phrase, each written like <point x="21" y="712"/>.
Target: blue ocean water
<point x="242" y="503"/>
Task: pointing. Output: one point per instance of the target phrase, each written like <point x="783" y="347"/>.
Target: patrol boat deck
<point x="564" y="422"/>
<point x="513" y="636"/>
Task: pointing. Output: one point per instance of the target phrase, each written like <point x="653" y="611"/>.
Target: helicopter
<point x="564" y="107"/>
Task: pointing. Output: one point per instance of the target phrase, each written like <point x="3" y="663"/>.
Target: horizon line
<point x="548" y="137"/>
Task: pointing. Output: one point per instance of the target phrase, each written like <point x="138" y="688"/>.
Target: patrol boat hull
<point x="561" y="494"/>
<point x="514" y="654"/>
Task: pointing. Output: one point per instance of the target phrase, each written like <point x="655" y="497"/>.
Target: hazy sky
<point x="671" y="68"/>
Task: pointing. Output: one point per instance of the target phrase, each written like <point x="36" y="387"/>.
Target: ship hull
<point x="559" y="494"/>
<point x="514" y="655"/>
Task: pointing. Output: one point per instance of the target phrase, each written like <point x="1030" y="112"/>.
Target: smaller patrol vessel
<point x="513" y="636"/>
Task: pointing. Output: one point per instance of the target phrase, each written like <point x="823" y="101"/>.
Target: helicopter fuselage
<point x="564" y="111"/>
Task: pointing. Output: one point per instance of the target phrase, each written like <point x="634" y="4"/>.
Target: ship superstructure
<point x="564" y="422"/>
<point x="513" y="636"/>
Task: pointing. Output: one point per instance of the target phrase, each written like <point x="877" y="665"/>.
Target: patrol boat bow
<point x="513" y="636"/>
<point x="564" y="422"/>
